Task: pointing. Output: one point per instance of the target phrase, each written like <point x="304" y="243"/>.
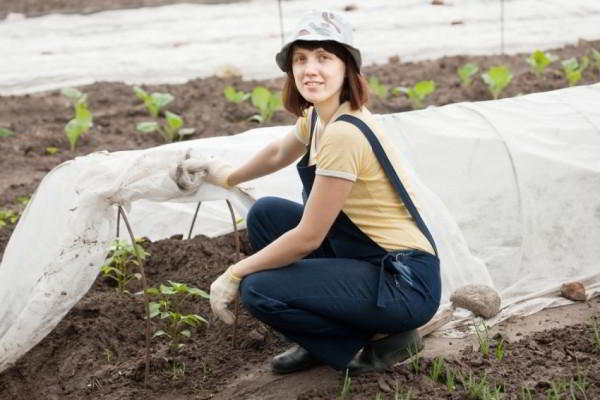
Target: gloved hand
<point x="222" y="292"/>
<point x="191" y="172"/>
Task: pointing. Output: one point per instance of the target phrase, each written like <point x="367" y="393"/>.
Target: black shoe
<point x="292" y="360"/>
<point x="383" y="353"/>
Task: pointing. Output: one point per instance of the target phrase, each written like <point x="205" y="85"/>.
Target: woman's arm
<point x="276" y="155"/>
<point x="322" y="208"/>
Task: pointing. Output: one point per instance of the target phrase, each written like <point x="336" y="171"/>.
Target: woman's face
<point x="319" y="75"/>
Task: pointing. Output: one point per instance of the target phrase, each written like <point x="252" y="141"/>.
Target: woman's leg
<point x="328" y="306"/>
<point x="271" y="217"/>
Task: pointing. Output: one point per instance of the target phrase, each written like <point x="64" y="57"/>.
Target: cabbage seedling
<point x="171" y="131"/>
<point x="417" y="93"/>
<point x="154" y="102"/>
<point x="539" y="61"/>
<point x="5" y="132"/>
<point x="574" y="70"/>
<point x="596" y="57"/>
<point x="8" y="217"/>
<point x="51" y="150"/>
<point x="497" y="78"/>
<point x="168" y="308"/>
<point x="82" y="121"/>
<point x="379" y="89"/>
<point x="466" y="73"/>
<point x="121" y="257"/>
<point x="234" y="96"/>
<point x="266" y="102"/>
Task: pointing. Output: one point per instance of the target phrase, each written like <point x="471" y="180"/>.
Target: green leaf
<point x="5" y="132"/>
<point x="152" y="291"/>
<point x="497" y="78"/>
<point x="173" y="120"/>
<point x="234" y="96"/>
<point x="154" y="308"/>
<point x="72" y="93"/>
<point x="73" y="130"/>
<point x="260" y="97"/>
<point x="198" y="292"/>
<point x="424" y="88"/>
<point x="52" y="150"/>
<point x="140" y="93"/>
<point x="166" y="289"/>
<point x="570" y="64"/>
<point x="147" y="127"/>
<point x="158" y="333"/>
<point x="159" y="101"/>
<point x="466" y="73"/>
<point x="186" y="333"/>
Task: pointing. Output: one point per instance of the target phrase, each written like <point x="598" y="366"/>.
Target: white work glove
<point x="222" y="292"/>
<point x="191" y="172"/>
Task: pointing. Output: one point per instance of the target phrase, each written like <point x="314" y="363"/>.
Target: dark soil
<point x="97" y="351"/>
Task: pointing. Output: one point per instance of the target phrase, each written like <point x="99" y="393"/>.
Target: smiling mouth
<point x="312" y="84"/>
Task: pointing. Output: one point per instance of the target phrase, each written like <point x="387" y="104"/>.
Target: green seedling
<point x="415" y="358"/>
<point x="382" y="91"/>
<point x="168" y="309"/>
<point x="346" y="388"/>
<point x="596" y="58"/>
<point x="121" y="258"/>
<point x="450" y="379"/>
<point x="23" y="200"/>
<point x="266" y="102"/>
<point x="500" y="350"/>
<point x="176" y="370"/>
<point x="51" y="150"/>
<point x="466" y="73"/>
<point x="497" y="78"/>
<point x="579" y="383"/>
<point x="234" y="96"/>
<point x="525" y="393"/>
<point x="556" y="390"/>
<point x="573" y="69"/>
<point x="378" y="396"/>
<point x="483" y="337"/>
<point x="8" y="217"/>
<point x="596" y="332"/>
<point x="5" y="132"/>
<point x="154" y="102"/>
<point x="539" y="61"/>
<point x="82" y="120"/>
<point x="437" y="368"/>
<point x="417" y="93"/>
<point x="399" y="395"/>
<point x="108" y="355"/>
<point x="172" y="130"/>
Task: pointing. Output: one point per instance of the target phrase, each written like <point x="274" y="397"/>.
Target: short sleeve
<point x="341" y="152"/>
<point x="301" y="130"/>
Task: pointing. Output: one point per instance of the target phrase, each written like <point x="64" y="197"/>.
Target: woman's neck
<point x="326" y="110"/>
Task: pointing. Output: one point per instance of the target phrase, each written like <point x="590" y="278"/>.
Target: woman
<point x="354" y="267"/>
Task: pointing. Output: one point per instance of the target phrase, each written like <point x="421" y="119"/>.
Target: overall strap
<point x="391" y="174"/>
<point x="313" y="122"/>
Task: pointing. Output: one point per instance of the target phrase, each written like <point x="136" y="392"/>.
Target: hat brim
<point x="282" y="56"/>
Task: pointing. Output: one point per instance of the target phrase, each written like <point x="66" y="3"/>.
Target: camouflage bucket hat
<point x="320" y="25"/>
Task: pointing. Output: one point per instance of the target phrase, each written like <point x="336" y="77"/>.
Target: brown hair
<point x="355" y="89"/>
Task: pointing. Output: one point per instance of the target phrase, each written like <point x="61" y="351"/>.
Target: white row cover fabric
<point x="509" y="189"/>
<point x="192" y="41"/>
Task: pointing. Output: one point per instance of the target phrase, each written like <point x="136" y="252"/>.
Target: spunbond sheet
<point x="509" y="189"/>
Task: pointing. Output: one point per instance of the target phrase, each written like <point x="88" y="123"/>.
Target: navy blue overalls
<point x="333" y="301"/>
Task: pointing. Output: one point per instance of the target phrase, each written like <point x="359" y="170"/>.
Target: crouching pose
<point x="350" y="274"/>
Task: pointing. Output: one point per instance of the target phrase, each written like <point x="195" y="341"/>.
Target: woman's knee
<point x="256" y="296"/>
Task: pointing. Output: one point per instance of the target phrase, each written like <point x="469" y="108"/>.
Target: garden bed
<point x="97" y="350"/>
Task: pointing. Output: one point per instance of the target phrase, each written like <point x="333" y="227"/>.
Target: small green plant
<point x="475" y="387"/>
<point x="121" y="258"/>
<point x="8" y="217"/>
<point x="525" y="393"/>
<point x="437" y="368"/>
<point x="400" y="395"/>
<point x="556" y="390"/>
<point x="415" y="358"/>
<point x="539" y="61"/>
<point x="108" y="355"/>
<point x="596" y="57"/>
<point x="172" y="130"/>
<point x="466" y="73"/>
<point x="82" y="120"/>
<point x="417" y="93"/>
<point x="176" y="369"/>
<point x="579" y="383"/>
<point x="500" y="350"/>
<point x="596" y="332"/>
<point x="346" y="388"/>
<point x="234" y="96"/>
<point x="50" y="150"/>
<point x="382" y="91"/>
<point x="497" y="78"/>
<point x="266" y="102"/>
<point x="154" y="102"/>
<point x="168" y="309"/>
<point x="378" y="396"/>
<point x="5" y="132"/>
<point x="450" y="379"/>
<point x="483" y="337"/>
<point x="573" y="69"/>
